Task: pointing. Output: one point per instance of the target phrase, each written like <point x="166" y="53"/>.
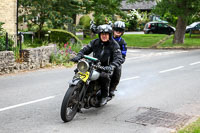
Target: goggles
<point x="118" y="29"/>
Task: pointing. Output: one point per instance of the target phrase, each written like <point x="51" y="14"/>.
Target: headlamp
<point x="83" y="66"/>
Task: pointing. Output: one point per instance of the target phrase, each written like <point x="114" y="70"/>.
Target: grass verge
<point x="133" y="40"/>
<point x="149" y="40"/>
<point x="189" y="42"/>
<point x="191" y="128"/>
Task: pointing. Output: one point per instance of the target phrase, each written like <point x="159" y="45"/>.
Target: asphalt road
<point x="157" y="87"/>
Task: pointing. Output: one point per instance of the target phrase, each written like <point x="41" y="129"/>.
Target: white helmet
<point x="119" y="26"/>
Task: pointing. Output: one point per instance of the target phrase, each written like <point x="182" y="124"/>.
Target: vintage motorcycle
<point x="84" y="89"/>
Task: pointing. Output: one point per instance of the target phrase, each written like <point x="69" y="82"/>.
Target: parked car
<point x="158" y="27"/>
<point x="194" y="26"/>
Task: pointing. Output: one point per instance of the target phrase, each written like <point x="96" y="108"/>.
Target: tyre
<point x="70" y="103"/>
<point x="150" y="32"/>
<point x="171" y="33"/>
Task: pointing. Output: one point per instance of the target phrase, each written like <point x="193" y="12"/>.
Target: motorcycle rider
<point x="107" y="50"/>
<point x="118" y="31"/>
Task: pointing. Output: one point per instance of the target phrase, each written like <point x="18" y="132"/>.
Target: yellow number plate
<point x="84" y="76"/>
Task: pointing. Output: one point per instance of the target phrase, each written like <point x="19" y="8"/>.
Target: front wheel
<point x="70" y="103"/>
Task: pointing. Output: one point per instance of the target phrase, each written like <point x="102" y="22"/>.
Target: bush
<point x="62" y="36"/>
<point x="85" y="22"/>
<point x="3" y="39"/>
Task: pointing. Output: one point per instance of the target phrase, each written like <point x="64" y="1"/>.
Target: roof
<point x="145" y="5"/>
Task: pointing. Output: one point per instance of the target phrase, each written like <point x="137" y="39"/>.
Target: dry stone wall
<point x="33" y="58"/>
<point x="7" y="62"/>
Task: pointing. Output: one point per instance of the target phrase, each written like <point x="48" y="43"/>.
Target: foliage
<point x="85" y="21"/>
<point x="1" y="28"/>
<point x="194" y="18"/>
<point x="3" y="39"/>
<point x="52" y="13"/>
<point x="63" y="55"/>
<point x="172" y="19"/>
<point x="192" y="128"/>
<point x="103" y="9"/>
<point x="62" y="36"/>
<point x="182" y="9"/>
<point x="135" y="20"/>
<point x="36" y="43"/>
<point x="56" y="14"/>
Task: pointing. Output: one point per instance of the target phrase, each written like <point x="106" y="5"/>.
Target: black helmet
<point x="119" y="26"/>
<point x="105" y="29"/>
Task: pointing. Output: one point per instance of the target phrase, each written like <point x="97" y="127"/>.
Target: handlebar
<point x="90" y="58"/>
<point x="99" y="67"/>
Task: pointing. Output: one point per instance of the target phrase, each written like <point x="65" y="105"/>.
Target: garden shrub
<point x="85" y="22"/>
<point x="3" y="39"/>
<point x="62" y="36"/>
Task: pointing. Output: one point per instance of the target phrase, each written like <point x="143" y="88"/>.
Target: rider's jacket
<point x="123" y="46"/>
<point x="108" y="53"/>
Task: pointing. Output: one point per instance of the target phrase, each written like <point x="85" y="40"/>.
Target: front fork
<point x="82" y="91"/>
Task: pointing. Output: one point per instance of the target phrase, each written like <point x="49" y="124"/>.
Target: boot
<point x="103" y="101"/>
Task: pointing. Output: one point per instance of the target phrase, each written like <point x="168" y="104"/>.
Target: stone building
<point x="142" y="5"/>
<point x="8" y="15"/>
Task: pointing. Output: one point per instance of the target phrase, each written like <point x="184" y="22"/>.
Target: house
<point x="8" y="15"/>
<point x="142" y="6"/>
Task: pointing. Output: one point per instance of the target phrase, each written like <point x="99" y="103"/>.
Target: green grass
<point x="133" y="40"/>
<point x="147" y="40"/>
<point x="189" y="42"/>
<point x="191" y="128"/>
<point x="87" y="39"/>
<point x="142" y="40"/>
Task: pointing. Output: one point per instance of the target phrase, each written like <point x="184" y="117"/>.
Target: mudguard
<point x="75" y="81"/>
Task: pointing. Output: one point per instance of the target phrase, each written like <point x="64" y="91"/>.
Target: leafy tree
<point x="58" y="13"/>
<point x="103" y="10"/>
<point x="54" y="13"/>
<point x="183" y="9"/>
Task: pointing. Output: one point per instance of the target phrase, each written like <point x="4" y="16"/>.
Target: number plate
<point x="84" y="76"/>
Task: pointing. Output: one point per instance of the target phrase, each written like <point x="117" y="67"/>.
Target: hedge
<point x="62" y="36"/>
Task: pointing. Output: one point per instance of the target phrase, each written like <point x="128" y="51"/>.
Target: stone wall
<point x="33" y="58"/>
<point x="7" y="62"/>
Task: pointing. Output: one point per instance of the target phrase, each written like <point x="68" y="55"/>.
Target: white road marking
<point x="136" y="77"/>
<point x="27" y="103"/>
<point x="195" y="63"/>
<point x="172" y="69"/>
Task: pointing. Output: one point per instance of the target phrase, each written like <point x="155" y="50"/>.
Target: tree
<point x="54" y="13"/>
<point x="36" y="12"/>
<point x="57" y="13"/>
<point x="183" y="9"/>
<point x="102" y="9"/>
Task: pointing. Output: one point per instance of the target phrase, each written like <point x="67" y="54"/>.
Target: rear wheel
<point x="70" y="103"/>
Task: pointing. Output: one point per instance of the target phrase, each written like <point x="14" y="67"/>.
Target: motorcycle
<point x="84" y="89"/>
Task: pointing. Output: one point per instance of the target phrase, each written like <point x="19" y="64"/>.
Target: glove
<point x="109" y="68"/>
<point x="75" y="59"/>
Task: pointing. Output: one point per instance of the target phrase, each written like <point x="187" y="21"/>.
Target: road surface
<point x="158" y="92"/>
